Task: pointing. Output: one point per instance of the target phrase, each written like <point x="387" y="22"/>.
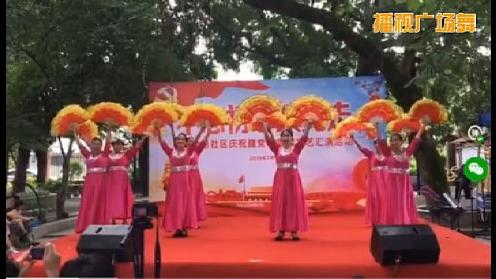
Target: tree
<point x="283" y="37"/>
<point x="41" y="165"/>
<point x="24" y="130"/>
<point x="61" y="192"/>
<point x="85" y="52"/>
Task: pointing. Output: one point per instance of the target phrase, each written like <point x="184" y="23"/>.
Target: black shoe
<point x="178" y="233"/>
<point x="295" y="237"/>
<point x="279" y="237"/>
<point x="184" y="233"/>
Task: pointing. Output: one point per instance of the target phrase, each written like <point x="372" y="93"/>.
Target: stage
<point x="236" y="243"/>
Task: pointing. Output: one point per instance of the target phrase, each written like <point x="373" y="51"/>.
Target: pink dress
<point x="120" y="197"/>
<point x="374" y="209"/>
<point x="180" y="210"/>
<point x="401" y="208"/>
<point x="289" y="212"/>
<point x="197" y="183"/>
<point x="92" y="210"/>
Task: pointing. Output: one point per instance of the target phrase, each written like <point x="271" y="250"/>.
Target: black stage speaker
<point x="112" y="240"/>
<point x="404" y="243"/>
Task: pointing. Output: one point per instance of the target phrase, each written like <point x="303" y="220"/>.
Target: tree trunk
<point x="61" y="193"/>
<point x="41" y="161"/>
<point x="365" y="67"/>
<point x="430" y="164"/>
<point x="20" y="171"/>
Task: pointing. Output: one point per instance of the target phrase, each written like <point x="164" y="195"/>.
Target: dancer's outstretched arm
<point x="413" y="146"/>
<point x="165" y="147"/>
<point x="108" y="142"/>
<point x="303" y="140"/>
<point x="269" y="138"/>
<point x="193" y="146"/>
<point x="201" y="146"/>
<point x="83" y="149"/>
<point x="366" y="152"/>
<point x="173" y="134"/>
<point x="136" y="148"/>
<point x="382" y="142"/>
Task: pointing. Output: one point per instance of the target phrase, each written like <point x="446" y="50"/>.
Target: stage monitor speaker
<point x="113" y="240"/>
<point x="404" y="243"/>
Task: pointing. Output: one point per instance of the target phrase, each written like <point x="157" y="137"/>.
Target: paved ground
<point x="52" y="236"/>
<point x="485" y="240"/>
<point x="71" y="207"/>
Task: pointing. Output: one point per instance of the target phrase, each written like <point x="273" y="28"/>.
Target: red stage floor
<point x="236" y="243"/>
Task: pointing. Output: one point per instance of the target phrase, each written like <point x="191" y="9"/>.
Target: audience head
<point x="11" y="269"/>
<point x="18" y="204"/>
<point x="10" y="201"/>
<point x="88" y="265"/>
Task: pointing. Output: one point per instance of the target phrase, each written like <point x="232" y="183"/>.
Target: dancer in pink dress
<point x="400" y="202"/>
<point x="288" y="210"/>
<point x="376" y="181"/>
<point x="92" y="209"/>
<point x="180" y="208"/>
<point x="120" y="197"/>
<point x="195" y="176"/>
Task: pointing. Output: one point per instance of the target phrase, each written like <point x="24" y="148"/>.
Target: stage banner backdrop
<point x="238" y="168"/>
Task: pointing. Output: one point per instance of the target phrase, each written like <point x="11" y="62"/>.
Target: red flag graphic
<point x="241" y="179"/>
<point x="185" y="93"/>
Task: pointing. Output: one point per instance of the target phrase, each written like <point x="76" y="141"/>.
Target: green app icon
<point x="480" y="139"/>
<point x="476" y="169"/>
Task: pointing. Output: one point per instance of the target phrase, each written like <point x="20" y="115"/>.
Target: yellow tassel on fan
<point x="87" y="130"/>
<point x="379" y="110"/>
<point x="67" y="119"/>
<point x="353" y="124"/>
<point x="254" y="106"/>
<point x="428" y="110"/>
<point x="317" y="106"/>
<point x="158" y="113"/>
<point x="110" y="113"/>
<point x="195" y="114"/>
<point x="405" y="124"/>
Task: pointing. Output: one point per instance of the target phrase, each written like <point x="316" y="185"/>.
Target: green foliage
<point x="413" y="166"/>
<point x="75" y="170"/>
<point x="279" y="46"/>
<point x="84" y="52"/>
<point x="51" y="186"/>
<point x="454" y="69"/>
<point x="8" y="188"/>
